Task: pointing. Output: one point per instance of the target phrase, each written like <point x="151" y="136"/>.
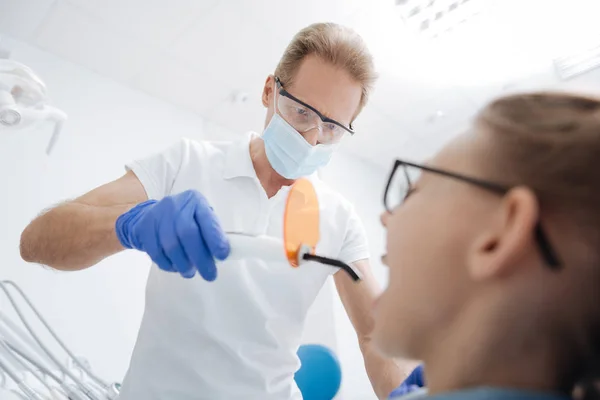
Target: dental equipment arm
<point x="24" y="366"/>
<point x="58" y="126"/>
<point x="17" y="337"/>
<point x="89" y="393"/>
<point x="35" y="363"/>
<point x="10" y="371"/>
<point x="76" y="360"/>
<point x="36" y="358"/>
<point x="24" y="100"/>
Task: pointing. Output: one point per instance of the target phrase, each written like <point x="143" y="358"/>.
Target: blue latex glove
<point x="180" y="233"/>
<point x="403" y="390"/>
<point x="414" y="381"/>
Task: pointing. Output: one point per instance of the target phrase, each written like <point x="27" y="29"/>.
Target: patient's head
<point x="466" y="267"/>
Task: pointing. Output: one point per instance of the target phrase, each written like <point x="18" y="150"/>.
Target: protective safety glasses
<point x="304" y="118"/>
<point x="400" y="186"/>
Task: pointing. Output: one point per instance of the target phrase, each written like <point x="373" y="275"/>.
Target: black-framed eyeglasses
<point x="306" y="114"/>
<point x="399" y="187"/>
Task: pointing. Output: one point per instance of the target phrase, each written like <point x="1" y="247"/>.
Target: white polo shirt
<point x="236" y="337"/>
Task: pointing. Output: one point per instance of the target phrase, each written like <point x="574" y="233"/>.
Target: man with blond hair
<point x="234" y="337"/>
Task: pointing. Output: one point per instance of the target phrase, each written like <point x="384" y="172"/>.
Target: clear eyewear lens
<point x="303" y="119"/>
<point x="331" y="133"/>
<point x="400" y="186"/>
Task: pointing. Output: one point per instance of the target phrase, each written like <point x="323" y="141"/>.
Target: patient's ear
<point x="509" y="237"/>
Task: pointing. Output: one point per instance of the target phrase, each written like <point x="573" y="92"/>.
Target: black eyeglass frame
<point x="546" y="249"/>
<point x="285" y="93"/>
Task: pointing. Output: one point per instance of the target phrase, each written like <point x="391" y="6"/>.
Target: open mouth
<point x="384" y="259"/>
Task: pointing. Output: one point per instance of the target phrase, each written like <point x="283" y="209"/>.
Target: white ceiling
<point x="196" y="53"/>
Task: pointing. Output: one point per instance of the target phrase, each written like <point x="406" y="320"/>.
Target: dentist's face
<point x="326" y="88"/>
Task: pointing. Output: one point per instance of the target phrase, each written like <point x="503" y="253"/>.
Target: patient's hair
<point x="550" y="142"/>
<point x="333" y="43"/>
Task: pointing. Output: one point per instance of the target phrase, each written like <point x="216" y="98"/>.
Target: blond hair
<point x="335" y="44"/>
<point x="551" y="143"/>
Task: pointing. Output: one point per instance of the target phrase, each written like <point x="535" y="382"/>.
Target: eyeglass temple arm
<point x="546" y="249"/>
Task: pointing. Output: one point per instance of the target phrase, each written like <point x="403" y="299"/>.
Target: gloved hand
<point x="414" y="381"/>
<point x="402" y="390"/>
<point x="180" y="233"/>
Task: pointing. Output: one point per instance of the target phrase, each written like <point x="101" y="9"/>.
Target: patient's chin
<point x="380" y="343"/>
<point x="384" y="339"/>
<point x="392" y="338"/>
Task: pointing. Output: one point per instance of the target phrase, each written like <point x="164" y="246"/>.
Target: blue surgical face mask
<point x="289" y="153"/>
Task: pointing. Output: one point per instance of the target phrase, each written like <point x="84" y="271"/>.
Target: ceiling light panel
<point x="431" y="18"/>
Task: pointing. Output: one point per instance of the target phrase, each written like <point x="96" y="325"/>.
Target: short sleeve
<point x="158" y="172"/>
<point x="356" y="246"/>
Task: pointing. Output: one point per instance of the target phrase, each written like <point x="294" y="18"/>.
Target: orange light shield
<point x="300" y="220"/>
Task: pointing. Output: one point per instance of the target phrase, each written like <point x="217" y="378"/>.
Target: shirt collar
<point x="238" y="162"/>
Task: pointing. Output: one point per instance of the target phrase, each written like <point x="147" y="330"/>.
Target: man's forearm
<point x="72" y="236"/>
<point x="384" y="373"/>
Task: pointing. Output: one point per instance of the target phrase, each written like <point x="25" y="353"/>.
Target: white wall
<point x="97" y="312"/>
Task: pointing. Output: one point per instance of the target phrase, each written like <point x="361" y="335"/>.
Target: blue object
<point x="403" y="390"/>
<point x="320" y="374"/>
<point x="180" y="233"/>
<point x="414" y="381"/>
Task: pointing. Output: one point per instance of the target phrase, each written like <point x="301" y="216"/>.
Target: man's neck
<point x="472" y="353"/>
<point x="270" y="180"/>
